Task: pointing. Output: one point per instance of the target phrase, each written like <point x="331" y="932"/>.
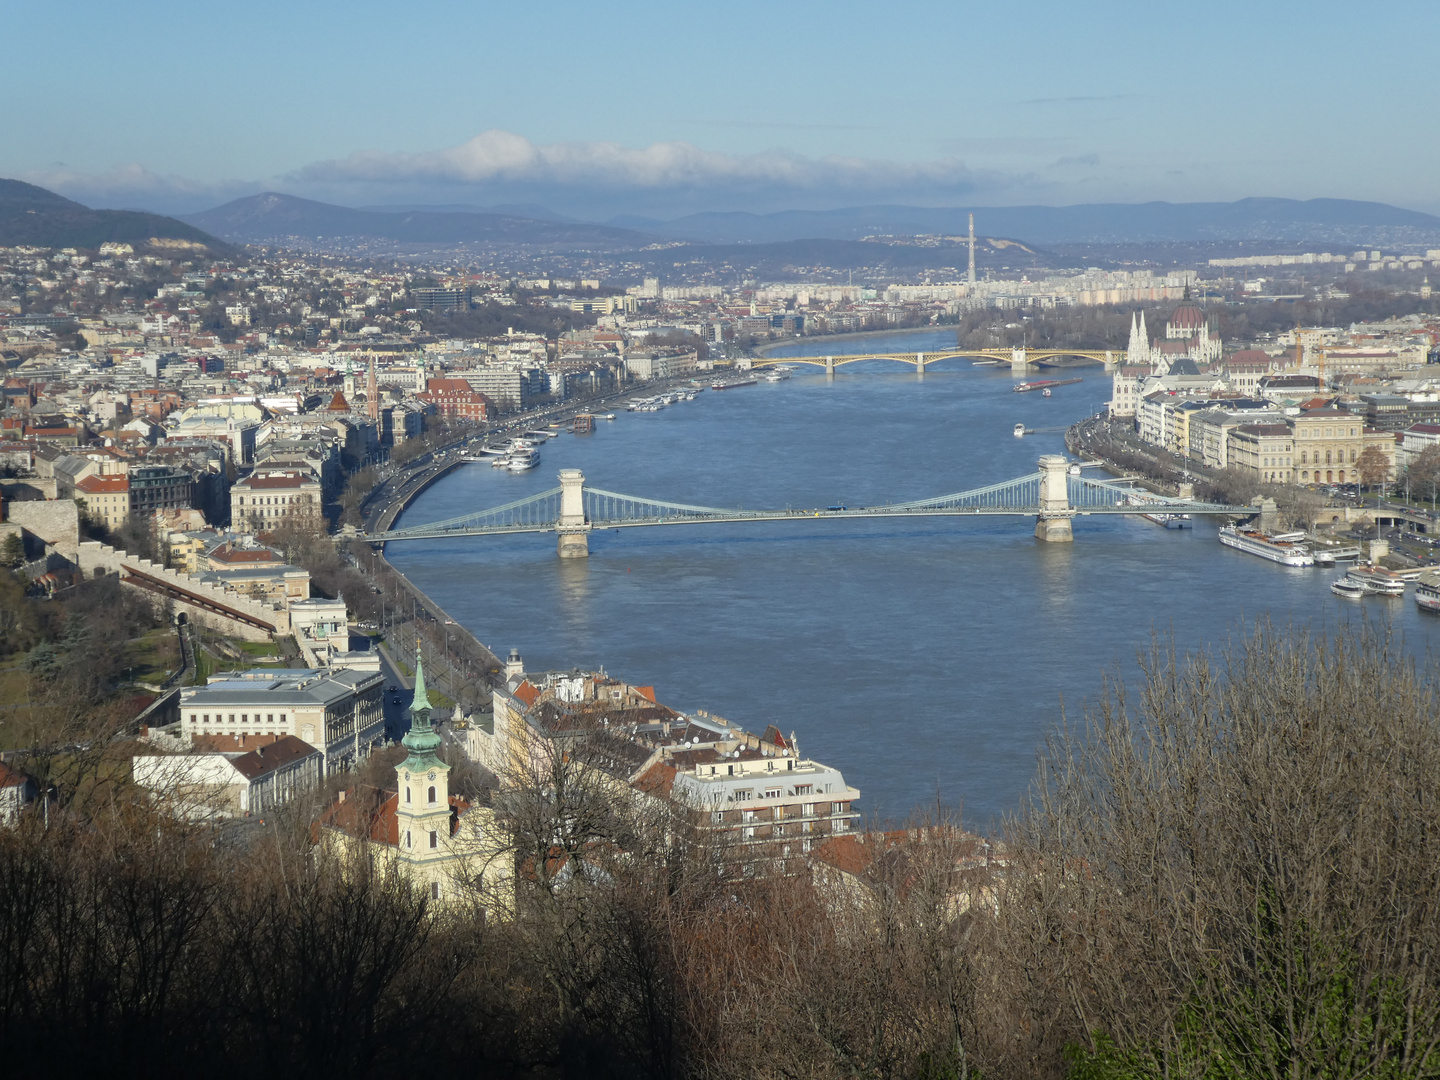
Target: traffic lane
<point x="396" y="700"/>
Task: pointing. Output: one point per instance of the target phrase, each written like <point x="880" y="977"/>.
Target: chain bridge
<point x="1018" y="358"/>
<point x="1052" y="495"/>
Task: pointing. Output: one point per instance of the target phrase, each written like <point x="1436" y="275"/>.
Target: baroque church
<point x="447" y="847"/>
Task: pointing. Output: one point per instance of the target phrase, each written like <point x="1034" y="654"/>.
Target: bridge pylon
<point x="1017" y="359"/>
<point x="1053" y="522"/>
<point x="919" y="363"/>
<point x="829" y="367"/>
<point x="574" y="542"/>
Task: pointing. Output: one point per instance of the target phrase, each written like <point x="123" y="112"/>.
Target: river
<point x="924" y="659"/>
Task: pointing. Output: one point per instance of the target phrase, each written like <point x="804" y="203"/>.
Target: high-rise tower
<point x="971" y="277"/>
<point x="372" y="393"/>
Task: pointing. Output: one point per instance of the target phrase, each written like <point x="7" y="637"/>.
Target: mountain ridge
<point x="1258" y="218"/>
<point x="272" y="215"/>
<point x="32" y="216"/>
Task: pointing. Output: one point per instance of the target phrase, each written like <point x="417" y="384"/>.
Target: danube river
<point x="921" y="658"/>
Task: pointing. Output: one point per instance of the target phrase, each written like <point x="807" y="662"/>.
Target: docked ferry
<point x="1284" y="548"/>
<point x="1377" y="581"/>
<point x="1427" y="593"/>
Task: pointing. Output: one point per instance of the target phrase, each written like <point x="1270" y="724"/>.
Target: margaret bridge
<point x="1052" y="495"/>
<point x="1018" y="358"/>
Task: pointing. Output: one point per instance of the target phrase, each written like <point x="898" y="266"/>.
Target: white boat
<point x="1019" y="430"/>
<point x="1427" y="593"/>
<point x="1348" y="588"/>
<point x="523" y="461"/>
<point x="1376" y="580"/>
<point x="1282" y="549"/>
<point x="1170" y="521"/>
<point x="606" y="416"/>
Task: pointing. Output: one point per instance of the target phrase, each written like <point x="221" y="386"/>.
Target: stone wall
<point x="55" y="521"/>
<point x="95" y="559"/>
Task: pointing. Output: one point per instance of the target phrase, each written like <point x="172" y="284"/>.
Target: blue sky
<point x="648" y="108"/>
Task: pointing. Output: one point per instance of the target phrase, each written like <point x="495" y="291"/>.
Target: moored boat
<point x="1349" y="588"/>
<point x="1427" y="592"/>
<point x="1377" y="581"/>
<point x="1284" y="548"/>
<point x="1043" y="384"/>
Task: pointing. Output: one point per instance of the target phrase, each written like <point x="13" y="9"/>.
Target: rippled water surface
<point x="920" y="658"/>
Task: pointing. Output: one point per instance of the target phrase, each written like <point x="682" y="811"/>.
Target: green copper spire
<point x="421" y="700"/>
<point x="421" y="740"/>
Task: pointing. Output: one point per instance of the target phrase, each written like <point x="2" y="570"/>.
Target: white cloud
<point x="131" y="186"/>
<point x="504" y="157"/>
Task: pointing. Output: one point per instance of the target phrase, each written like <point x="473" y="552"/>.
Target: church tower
<point x="1138" y="351"/>
<point x="423" y="782"/>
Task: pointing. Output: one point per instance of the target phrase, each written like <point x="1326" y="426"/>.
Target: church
<point x="448" y="847"/>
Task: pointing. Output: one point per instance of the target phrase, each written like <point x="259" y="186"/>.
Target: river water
<point x="923" y="659"/>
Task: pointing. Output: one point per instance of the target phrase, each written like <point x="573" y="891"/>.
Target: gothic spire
<point x="421" y="740"/>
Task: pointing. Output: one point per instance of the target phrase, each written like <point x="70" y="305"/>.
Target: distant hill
<point x="1334" y="221"/>
<point x="274" y="217"/>
<point x="32" y="216"/>
<point x="787" y="258"/>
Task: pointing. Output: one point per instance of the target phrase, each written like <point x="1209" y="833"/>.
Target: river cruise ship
<point x="1377" y="581"/>
<point x="1427" y="593"/>
<point x="1284" y="548"/>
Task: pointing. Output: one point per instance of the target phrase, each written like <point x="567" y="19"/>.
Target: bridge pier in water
<point x="829" y="367"/>
<point x="1017" y="360"/>
<point x="919" y="363"/>
<point x="574" y="542"/>
<point x="1053" y="523"/>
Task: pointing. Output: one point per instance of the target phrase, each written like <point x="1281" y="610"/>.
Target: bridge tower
<point x="920" y="363"/>
<point x="829" y="367"/>
<point x="1053" y="523"/>
<point x="574" y="541"/>
<point x="1017" y="360"/>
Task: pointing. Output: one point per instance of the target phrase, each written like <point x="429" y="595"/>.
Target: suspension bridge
<point x="1018" y="358"/>
<point x="1052" y="495"/>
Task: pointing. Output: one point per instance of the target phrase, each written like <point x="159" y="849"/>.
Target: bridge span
<point x="1018" y="358"/>
<point x="1052" y="495"/>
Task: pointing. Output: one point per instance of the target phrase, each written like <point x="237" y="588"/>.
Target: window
<point x="407" y="794"/>
<point x="432" y="793"/>
<point x="282" y="717"/>
<point x="743" y="796"/>
<point x="434" y="890"/>
<point x="772" y="793"/>
<point x="434" y="839"/>
<point x="804" y="789"/>
<point x="192" y="717"/>
<point x="232" y="718"/>
<point x="407" y="837"/>
<point x="269" y="717"/>
<point x="808" y="809"/>
<point x="205" y="719"/>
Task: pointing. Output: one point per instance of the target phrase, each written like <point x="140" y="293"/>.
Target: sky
<point x="656" y="110"/>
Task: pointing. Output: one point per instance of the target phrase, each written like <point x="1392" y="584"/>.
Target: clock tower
<point x="423" y="810"/>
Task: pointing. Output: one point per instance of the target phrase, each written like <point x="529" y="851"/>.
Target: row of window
<point x="244" y="718"/>
<point x="434" y="838"/>
<point x="432" y="794"/>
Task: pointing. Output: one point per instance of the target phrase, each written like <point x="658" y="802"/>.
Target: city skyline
<point x="665" y="112"/>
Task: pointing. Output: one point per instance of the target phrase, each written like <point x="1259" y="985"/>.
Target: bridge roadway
<point x="1052" y="495"/>
<point x="1018" y="358"/>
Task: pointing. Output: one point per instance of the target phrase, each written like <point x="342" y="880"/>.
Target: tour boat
<point x="523" y="460"/>
<point x="1427" y="593"/>
<point x="1019" y="430"/>
<point x="1348" y="588"/>
<point x="1377" y="581"/>
<point x="1282" y="549"/>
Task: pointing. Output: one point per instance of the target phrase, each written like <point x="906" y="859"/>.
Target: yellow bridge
<point x="1018" y="358"/>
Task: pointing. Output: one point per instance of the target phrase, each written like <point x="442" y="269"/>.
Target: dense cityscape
<point x="746" y="544"/>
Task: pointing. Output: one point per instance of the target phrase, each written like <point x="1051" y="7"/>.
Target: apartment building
<point x="1267" y="450"/>
<point x="266" y="500"/>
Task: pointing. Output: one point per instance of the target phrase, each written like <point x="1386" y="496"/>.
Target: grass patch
<point x="153" y="656"/>
<point x="258" y="648"/>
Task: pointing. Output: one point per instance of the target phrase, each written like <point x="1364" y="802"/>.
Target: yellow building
<point x="1328" y="443"/>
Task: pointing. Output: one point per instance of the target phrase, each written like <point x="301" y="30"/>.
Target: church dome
<point x="1187" y="317"/>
